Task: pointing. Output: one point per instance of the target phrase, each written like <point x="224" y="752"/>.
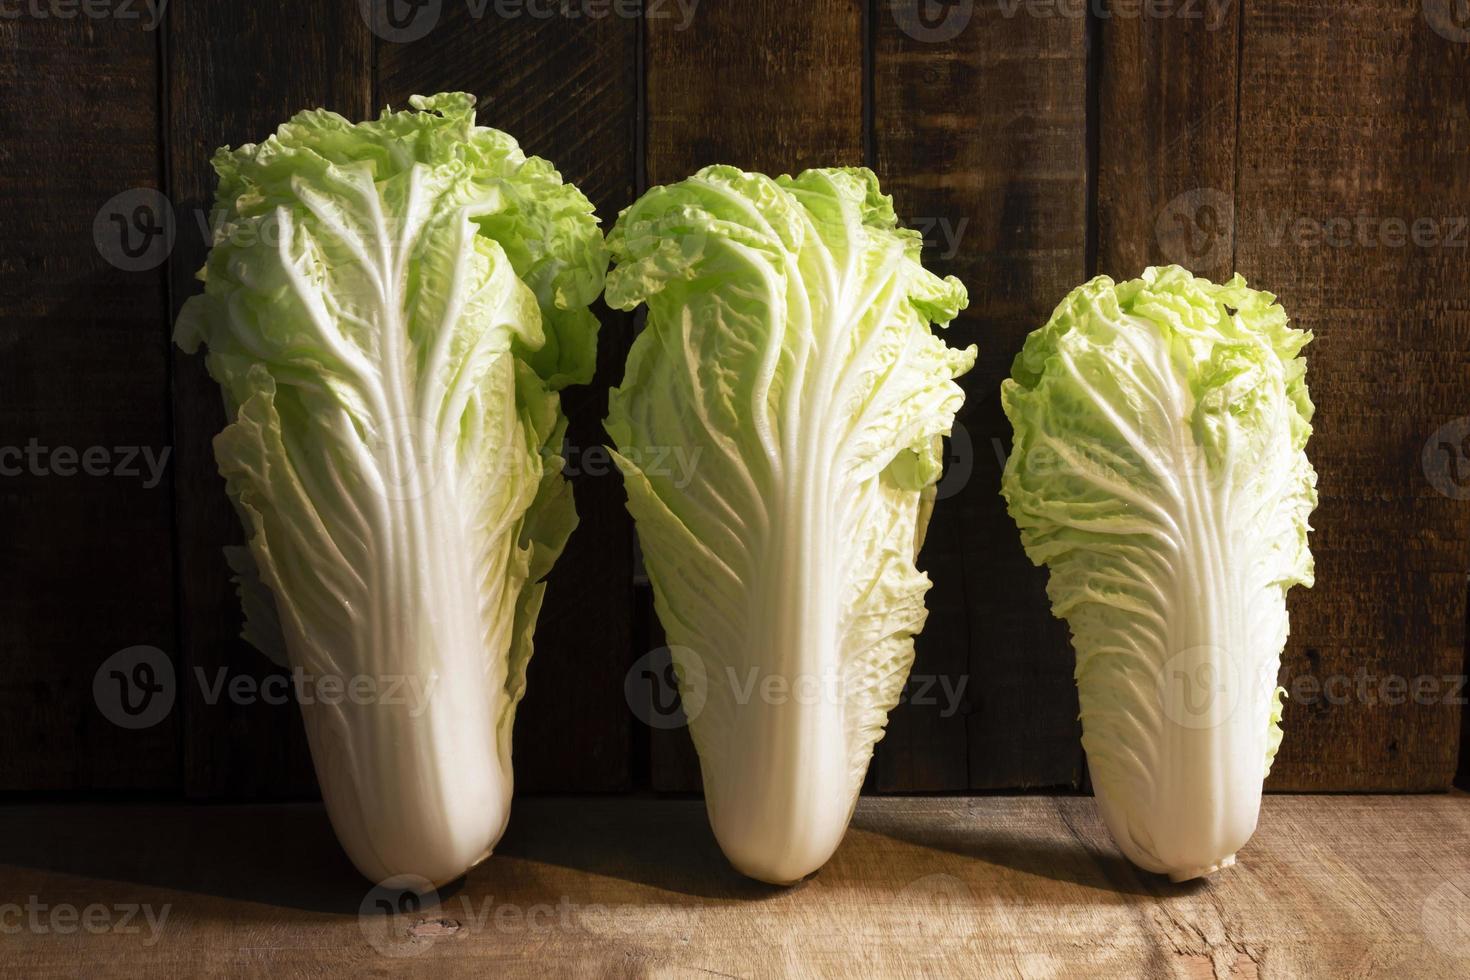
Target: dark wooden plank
<point x="760" y="84"/>
<point x="1166" y="142"/>
<point x="85" y="518"/>
<point x="993" y="887"/>
<point x="235" y="72"/>
<point x="567" y="89"/>
<point x="1462" y="774"/>
<point x="765" y="85"/>
<point x="1353" y="119"/>
<point x="980" y="131"/>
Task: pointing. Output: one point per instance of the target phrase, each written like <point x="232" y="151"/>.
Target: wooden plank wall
<point x="83" y="369"/>
<point x="999" y="179"/>
<point x="1386" y="143"/>
<point x="1035" y="145"/>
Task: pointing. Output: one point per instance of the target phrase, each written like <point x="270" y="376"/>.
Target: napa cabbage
<point x="789" y="354"/>
<point x="1159" y="472"/>
<point x="390" y="308"/>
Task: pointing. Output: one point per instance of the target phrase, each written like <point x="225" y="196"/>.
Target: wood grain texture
<point x="760" y="84"/>
<point x="567" y="90"/>
<point x="994" y="887"/>
<point x="982" y="140"/>
<point x="235" y="72"/>
<point x="764" y="85"/>
<point x="1462" y="774"/>
<point x="1355" y="118"/>
<point x="1166" y="141"/>
<point x="85" y="558"/>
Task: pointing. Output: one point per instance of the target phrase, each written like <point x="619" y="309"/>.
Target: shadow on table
<point x="287" y="856"/>
<point x="1071" y="860"/>
<point x="283" y="855"/>
<point x="665" y="844"/>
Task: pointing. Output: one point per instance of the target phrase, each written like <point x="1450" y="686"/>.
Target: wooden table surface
<point x="1338" y="886"/>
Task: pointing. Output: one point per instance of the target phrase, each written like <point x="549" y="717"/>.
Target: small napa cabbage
<point x="390" y="308"/>
<point x="788" y="357"/>
<point x="1159" y="471"/>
